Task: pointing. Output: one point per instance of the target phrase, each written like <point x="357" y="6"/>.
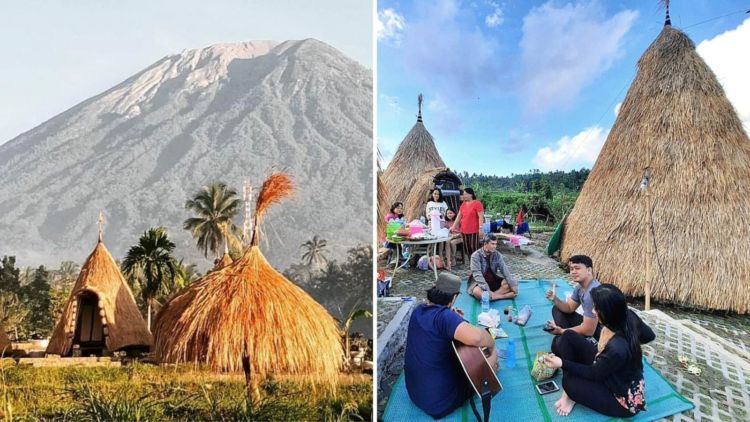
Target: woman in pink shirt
<point x="468" y="221"/>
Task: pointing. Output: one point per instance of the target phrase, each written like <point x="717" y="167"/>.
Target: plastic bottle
<point x="485" y="300"/>
<point x="510" y="354"/>
<point x="422" y="219"/>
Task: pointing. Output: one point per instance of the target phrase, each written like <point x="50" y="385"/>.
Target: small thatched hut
<point x="691" y="223"/>
<point x="248" y="316"/>
<point x="415" y="155"/>
<point x="101" y="314"/>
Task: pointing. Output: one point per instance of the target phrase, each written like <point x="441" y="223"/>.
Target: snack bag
<point x="540" y="371"/>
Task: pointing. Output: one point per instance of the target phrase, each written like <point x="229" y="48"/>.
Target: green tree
<point x="214" y="206"/>
<point x="10" y="275"/>
<point x="36" y="294"/>
<point x="315" y="252"/>
<point x="12" y="312"/>
<point x="150" y="264"/>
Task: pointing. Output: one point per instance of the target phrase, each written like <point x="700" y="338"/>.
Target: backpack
<point x="436" y="261"/>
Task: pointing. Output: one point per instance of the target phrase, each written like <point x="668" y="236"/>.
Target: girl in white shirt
<point x="436" y="202"/>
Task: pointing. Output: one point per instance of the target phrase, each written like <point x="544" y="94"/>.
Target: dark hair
<point x="396" y="205"/>
<point x="487" y="238"/>
<point x="582" y="259"/>
<point x="454" y="214"/>
<point x="471" y="191"/>
<point x="439" y="297"/>
<point x="440" y="199"/>
<point x="612" y="311"/>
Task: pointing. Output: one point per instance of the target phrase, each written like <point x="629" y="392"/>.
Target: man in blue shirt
<point x="576" y="313"/>
<point x="435" y="380"/>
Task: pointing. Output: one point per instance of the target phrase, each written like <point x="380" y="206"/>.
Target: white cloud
<point x="564" y="48"/>
<point x="391" y="101"/>
<point x="436" y="105"/>
<point x="732" y="68"/>
<point x="496" y="17"/>
<point x="617" y="108"/>
<point x="389" y="26"/>
<point x="448" y="58"/>
<point x="572" y="152"/>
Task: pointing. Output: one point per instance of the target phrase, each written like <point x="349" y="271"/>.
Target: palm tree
<point x="315" y="251"/>
<point x="215" y="206"/>
<point x="151" y="265"/>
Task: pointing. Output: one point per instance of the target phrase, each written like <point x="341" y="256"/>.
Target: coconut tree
<point x="214" y="206"/>
<point x="315" y="252"/>
<point x="151" y="265"/>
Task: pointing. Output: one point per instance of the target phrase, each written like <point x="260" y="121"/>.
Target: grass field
<point x="141" y="392"/>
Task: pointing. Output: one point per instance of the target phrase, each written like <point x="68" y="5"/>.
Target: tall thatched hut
<point x="101" y="314"/>
<point x="415" y="155"/>
<point x="248" y="316"/>
<point x="691" y="224"/>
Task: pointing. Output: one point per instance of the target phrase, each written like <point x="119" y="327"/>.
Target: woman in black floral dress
<point x="607" y="377"/>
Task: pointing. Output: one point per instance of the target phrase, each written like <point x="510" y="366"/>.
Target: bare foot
<point x="564" y="405"/>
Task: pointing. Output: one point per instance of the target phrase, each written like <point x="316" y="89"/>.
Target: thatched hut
<point x="100" y="315"/>
<point x="688" y="231"/>
<point x="248" y="316"/>
<point x="415" y="155"/>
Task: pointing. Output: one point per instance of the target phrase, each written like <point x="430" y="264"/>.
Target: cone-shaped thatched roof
<point x="676" y="121"/>
<point x="250" y="304"/>
<point x="125" y="326"/>
<point x="416" y="154"/>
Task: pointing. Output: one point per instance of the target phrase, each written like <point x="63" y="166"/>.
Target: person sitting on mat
<point x="489" y="272"/>
<point x="576" y="314"/>
<point x="607" y="377"/>
<point x="435" y="381"/>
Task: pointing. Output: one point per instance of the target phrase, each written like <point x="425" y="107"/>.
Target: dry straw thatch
<point x="249" y="309"/>
<point x="382" y="209"/>
<point x="677" y="122"/>
<point x="416" y="201"/>
<point x="415" y="155"/>
<point x="125" y="327"/>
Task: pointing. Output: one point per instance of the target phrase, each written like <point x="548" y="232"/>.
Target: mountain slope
<point x="229" y="112"/>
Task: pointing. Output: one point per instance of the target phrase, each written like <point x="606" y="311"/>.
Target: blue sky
<point x="58" y="53"/>
<point x="511" y="86"/>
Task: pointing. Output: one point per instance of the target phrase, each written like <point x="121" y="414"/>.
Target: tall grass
<point x="155" y="393"/>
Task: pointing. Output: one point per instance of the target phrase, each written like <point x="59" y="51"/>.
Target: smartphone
<point x="547" y="387"/>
